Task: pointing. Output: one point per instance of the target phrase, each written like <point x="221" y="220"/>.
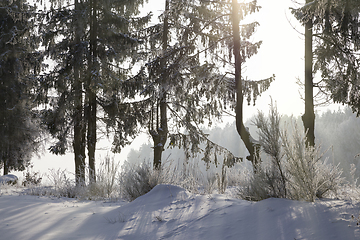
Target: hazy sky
<point x="282" y="54"/>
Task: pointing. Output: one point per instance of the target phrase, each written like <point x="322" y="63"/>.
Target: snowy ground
<point x="169" y="212"/>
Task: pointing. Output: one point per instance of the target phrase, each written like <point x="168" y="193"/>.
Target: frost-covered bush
<point x="105" y="186"/>
<point x="106" y="181"/>
<point x="215" y="181"/>
<point x="273" y="175"/>
<point x="309" y="176"/>
<point x="63" y="185"/>
<point x="255" y="187"/>
<point x="137" y="180"/>
<point x="187" y="176"/>
<point x="31" y="177"/>
<point x="294" y="171"/>
<point x="60" y="186"/>
<point x="350" y="190"/>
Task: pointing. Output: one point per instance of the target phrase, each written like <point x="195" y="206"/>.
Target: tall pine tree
<point x="19" y="64"/>
<point x="184" y="88"/>
<point x="334" y="26"/>
<point x="90" y="42"/>
<point x="229" y="33"/>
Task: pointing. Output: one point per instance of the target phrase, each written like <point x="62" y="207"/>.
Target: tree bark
<point x="309" y="116"/>
<point x="79" y="126"/>
<point x="6" y="167"/>
<point x="91" y="136"/>
<point x="160" y="136"/>
<point x="91" y="92"/>
<point x="251" y="145"/>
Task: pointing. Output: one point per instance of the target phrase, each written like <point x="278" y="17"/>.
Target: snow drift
<point x="170" y="212"/>
<point x="8" y="179"/>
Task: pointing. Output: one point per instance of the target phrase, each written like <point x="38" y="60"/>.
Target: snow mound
<point x="9" y="178"/>
<point x="170" y="212"/>
<point x="160" y="196"/>
<point x="164" y="191"/>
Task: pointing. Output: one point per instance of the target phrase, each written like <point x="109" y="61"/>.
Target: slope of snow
<point x="170" y="212"/>
<point x="9" y="178"/>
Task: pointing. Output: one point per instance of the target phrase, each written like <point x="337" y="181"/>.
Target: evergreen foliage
<point x="90" y="43"/>
<point x="336" y="48"/>
<point x="235" y="37"/>
<point x="186" y="84"/>
<point x="19" y="64"/>
<point x="180" y="85"/>
<point x="270" y="141"/>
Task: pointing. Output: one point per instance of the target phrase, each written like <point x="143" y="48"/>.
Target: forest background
<point x="282" y="54"/>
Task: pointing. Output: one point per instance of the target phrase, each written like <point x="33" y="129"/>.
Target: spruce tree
<point x="19" y="64"/>
<point x="187" y="82"/>
<point x="309" y="116"/>
<point x="336" y="34"/>
<point x="183" y="88"/>
<point x="91" y="42"/>
<point x="230" y="33"/>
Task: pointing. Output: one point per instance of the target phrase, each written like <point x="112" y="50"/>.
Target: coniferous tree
<point x="19" y="63"/>
<point x="184" y="89"/>
<point x="91" y="41"/>
<point x="229" y="33"/>
<point x="160" y="132"/>
<point x="78" y="89"/>
<point x="188" y="76"/>
<point x="335" y="26"/>
<point x="309" y="116"/>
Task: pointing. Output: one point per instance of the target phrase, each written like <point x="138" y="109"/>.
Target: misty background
<point x="337" y="132"/>
<point x="282" y="54"/>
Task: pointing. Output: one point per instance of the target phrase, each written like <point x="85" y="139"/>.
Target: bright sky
<point x="282" y="54"/>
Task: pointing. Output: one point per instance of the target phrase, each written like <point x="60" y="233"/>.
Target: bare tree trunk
<point x="79" y="126"/>
<point x="309" y="116"/>
<point x="91" y="136"/>
<point x="6" y="167"/>
<point x="160" y="135"/>
<point x="251" y="145"/>
<point x="91" y="91"/>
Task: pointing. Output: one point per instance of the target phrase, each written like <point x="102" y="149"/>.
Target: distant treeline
<point x="338" y="133"/>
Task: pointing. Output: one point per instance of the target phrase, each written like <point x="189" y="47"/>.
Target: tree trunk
<point x="251" y="145"/>
<point x="309" y="116"/>
<point x="79" y="147"/>
<point x="79" y="127"/>
<point x="91" y="136"/>
<point x="6" y="167"/>
<point x="160" y="136"/>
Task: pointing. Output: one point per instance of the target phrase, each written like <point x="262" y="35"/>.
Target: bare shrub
<point x="136" y="180"/>
<point x="270" y="140"/>
<point x="63" y="185"/>
<point x="255" y="187"/>
<point x="106" y="181"/>
<point x="295" y="171"/>
<point x="31" y="177"/>
<point x="309" y="175"/>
